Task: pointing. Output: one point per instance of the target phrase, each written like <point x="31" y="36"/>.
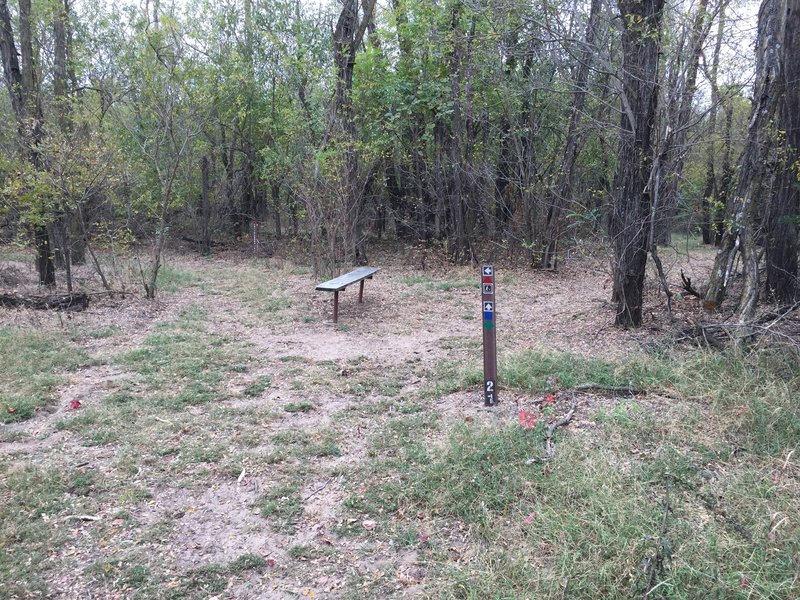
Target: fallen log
<point x="75" y="301"/>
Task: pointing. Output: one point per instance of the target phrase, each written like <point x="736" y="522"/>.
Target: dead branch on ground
<point x="74" y="301"/>
<point x="610" y="389"/>
<point x="655" y="566"/>
<point x="687" y="286"/>
<point x="549" y="449"/>
<point x="718" y="335"/>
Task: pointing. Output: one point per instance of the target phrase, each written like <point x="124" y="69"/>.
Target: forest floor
<point x="230" y="442"/>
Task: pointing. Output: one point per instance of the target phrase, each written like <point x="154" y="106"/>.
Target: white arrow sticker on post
<point x="488" y="271"/>
<point x="488" y="307"/>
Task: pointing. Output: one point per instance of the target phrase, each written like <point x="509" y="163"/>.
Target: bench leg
<point x="361" y="292"/>
<point x="335" y="306"/>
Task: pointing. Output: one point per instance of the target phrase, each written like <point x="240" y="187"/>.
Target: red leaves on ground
<point x="527" y="419"/>
<point x="75" y="404"/>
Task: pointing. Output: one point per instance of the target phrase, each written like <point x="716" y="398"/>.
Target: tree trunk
<point x="11" y="68"/>
<point x="679" y="115"/>
<point x="26" y="103"/>
<point x="782" y="221"/>
<point x="725" y="183"/>
<point x="711" y="190"/>
<point x="347" y="37"/>
<point x="45" y="266"/>
<point x="739" y="212"/>
<point x="562" y="194"/>
<point x="631" y="216"/>
<point x="276" y="208"/>
<point x="205" y="206"/>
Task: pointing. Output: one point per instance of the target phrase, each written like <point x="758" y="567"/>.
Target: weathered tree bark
<point x="631" y="216"/>
<point x="784" y="210"/>
<point x="724" y="186"/>
<point x="739" y="212"/>
<point x="44" y="257"/>
<point x="11" y="68"/>
<point x="562" y="194"/>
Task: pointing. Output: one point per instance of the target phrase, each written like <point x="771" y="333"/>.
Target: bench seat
<point x="339" y="284"/>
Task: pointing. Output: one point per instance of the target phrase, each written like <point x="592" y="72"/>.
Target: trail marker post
<point x="489" y="336"/>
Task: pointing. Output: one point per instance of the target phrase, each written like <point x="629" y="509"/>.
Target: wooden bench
<point x="340" y="283"/>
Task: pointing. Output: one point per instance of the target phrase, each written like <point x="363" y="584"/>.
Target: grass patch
<point x="171" y="280"/>
<point x="32" y="501"/>
<point x="247" y="562"/>
<point x="281" y="505"/>
<point x="453" y="376"/>
<point x="104" y="332"/>
<point x="257" y="387"/>
<point x="445" y="285"/>
<point x="254" y="288"/>
<point x="756" y="391"/>
<point x="304" y="444"/>
<point x="33" y="365"/>
<point x="538" y="371"/>
<point x="294" y="407"/>
<point x="183" y="364"/>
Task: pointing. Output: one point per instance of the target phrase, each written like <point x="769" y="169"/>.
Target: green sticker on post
<point x="488" y="324"/>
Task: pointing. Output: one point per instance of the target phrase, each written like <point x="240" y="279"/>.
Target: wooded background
<point x="483" y="128"/>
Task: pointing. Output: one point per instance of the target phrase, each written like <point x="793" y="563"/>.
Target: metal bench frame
<point x="339" y="284"/>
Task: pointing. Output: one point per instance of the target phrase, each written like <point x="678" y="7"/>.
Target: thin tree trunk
<point x="205" y="205"/>
<point x="562" y="194"/>
<point x="711" y="190"/>
<point x="631" y="216"/>
<point x="675" y="149"/>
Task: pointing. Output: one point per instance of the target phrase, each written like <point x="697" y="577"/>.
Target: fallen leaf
<point x="75" y="404"/>
<point x="369" y="524"/>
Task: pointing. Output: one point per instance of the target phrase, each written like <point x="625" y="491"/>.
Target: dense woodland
<point x="482" y="128"/>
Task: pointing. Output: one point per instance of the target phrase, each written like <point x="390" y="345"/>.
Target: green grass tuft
<point x="33" y="365"/>
<point x="281" y="505"/>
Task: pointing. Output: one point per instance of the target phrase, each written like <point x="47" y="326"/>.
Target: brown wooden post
<point x="335" y="306"/>
<point x="361" y="291"/>
<point x="489" y="336"/>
